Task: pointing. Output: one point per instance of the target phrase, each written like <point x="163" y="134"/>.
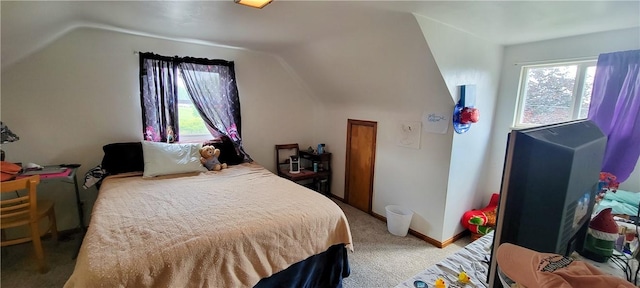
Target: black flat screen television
<point x="549" y="183"/>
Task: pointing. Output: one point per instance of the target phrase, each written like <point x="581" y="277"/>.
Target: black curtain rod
<point x="203" y="61"/>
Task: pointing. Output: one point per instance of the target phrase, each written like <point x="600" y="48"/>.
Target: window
<point x="188" y="99"/>
<point x="192" y="127"/>
<point x="553" y="93"/>
<point x="179" y="95"/>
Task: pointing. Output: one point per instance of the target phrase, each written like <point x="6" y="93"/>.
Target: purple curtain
<point x="615" y="108"/>
<point x="158" y="96"/>
<point x="211" y="84"/>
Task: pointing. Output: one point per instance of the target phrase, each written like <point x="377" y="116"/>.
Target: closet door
<point x="360" y="163"/>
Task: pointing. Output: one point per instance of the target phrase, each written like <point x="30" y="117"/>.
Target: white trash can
<point x="398" y="220"/>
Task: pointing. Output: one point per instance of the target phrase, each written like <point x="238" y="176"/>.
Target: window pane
<point x="548" y="94"/>
<point x="586" y="96"/>
<point x="189" y="120"/>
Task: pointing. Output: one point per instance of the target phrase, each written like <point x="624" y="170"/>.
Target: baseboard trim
<point x="337" y="197"/>
<point x="456" y="237"/>
<point x="419" y="235"/>
<point x="426" y="238"/>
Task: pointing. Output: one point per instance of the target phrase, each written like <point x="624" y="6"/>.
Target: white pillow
<point x="163" y="159"/>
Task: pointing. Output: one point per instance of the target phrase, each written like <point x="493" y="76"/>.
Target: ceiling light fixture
<point x="254" y="3"/>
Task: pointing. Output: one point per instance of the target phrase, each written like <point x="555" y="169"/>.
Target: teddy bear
<point x="210" y="158"/>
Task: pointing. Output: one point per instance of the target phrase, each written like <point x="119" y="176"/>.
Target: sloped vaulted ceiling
<point x="325" y="42"/>
<point x="29" y="25"/>
<point x="382" y="64"/>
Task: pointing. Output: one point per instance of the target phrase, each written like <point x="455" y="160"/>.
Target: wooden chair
<point x="26" y="210"/>
<point x="283" y="164"/>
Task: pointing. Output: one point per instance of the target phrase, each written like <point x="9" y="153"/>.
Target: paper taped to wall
<point x="435" y="122"/>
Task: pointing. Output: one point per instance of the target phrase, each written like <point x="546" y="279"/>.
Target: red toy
<point x="469" y="115"/>
<point x="481" y="221"/>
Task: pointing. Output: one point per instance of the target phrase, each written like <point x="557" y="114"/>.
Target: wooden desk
<point x="316" y="167"/>
<point x="305" y="174"/>
<point x="67" y="176"/>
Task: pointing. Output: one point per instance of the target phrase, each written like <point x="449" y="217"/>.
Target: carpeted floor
<point x="19" y="266"/>
<point x="380" y="259"/>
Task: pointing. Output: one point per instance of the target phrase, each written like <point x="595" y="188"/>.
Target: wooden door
<point x="360" y="163"/>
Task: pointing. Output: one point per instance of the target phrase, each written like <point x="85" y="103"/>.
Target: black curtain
<point x="211" y="84"/>
<point x="158" y="98"/>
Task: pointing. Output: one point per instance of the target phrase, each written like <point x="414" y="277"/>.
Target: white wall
<point x="383" y="73"/>
<point x="82" y="92"/>
<point x="465" y="59"/>
<point x="577" y="47"/>
<point x="633" y="182"/>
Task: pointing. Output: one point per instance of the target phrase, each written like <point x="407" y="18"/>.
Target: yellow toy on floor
<point x="463" y="278"/>
<point x="440" y="283"/>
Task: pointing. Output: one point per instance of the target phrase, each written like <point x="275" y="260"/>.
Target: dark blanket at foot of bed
<point x="322" y="270"/>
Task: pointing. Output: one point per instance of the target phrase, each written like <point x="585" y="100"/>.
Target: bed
<point x="239" y="227"/>
<point x="621" y="203"/>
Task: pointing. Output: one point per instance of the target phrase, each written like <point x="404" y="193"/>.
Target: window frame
<point x="578" y="88"/>
<point x="188" y="138"/>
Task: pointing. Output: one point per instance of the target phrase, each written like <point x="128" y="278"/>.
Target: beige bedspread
<point x="215" y="229"/>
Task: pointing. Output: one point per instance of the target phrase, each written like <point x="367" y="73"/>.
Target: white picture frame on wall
<point x="409" y="134"/>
